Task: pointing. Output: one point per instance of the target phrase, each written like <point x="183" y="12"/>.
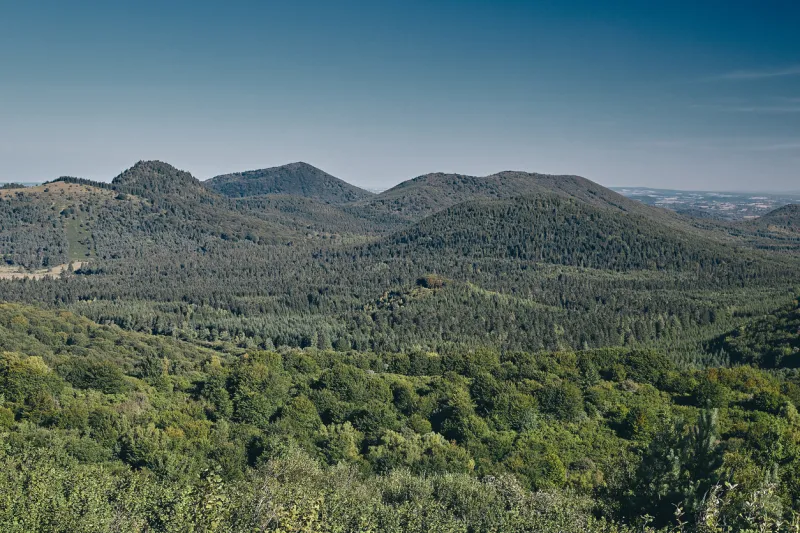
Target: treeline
<point x="84" y="182"/>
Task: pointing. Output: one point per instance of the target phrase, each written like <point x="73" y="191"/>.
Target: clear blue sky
<point x="701" y="94"/>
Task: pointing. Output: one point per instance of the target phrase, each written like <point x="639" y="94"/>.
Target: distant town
<point x="709" y="204"/>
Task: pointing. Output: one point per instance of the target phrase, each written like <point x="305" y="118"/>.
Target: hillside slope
<point x="296" y="179"/>
<point x="149" y="207"/>
<point x="307" y="214"/>
<point x="185" y="207"/>
<point x="769" y="341"/>
<point x="778" y="230"/>
<point x="48" y="225"/>
<point x="785" y="219"/>
<point x="58" y="336"/>
<point x="415" y="199"/>
<point x="560" y="230"/>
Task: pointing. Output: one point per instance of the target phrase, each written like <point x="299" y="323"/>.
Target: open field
<point x="54" y="190"/>
<point x="7" y="272"/>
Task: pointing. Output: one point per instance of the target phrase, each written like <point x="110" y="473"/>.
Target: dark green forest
<point x="279" y="350"/>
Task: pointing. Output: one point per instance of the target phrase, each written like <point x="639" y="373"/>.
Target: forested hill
<point x="309" y="215"/>
<point x="555" y="229"/>
<point x="417" y="198"/>
<point x="297" y="179"/>
<point x="784" y="219"/>
<point x="778" y="230"/>
<point x="181" y="201"/>
<point x="155" y="180"/>
<point x="151" y="206"/>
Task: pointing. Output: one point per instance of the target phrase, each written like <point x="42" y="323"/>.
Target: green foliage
<point x="771" y="341"/>
<point x="711" y="393"/>
<point x="561" y="400"/>
<point x="445" y="449"/>
<point x="104" y="376"/>
<point x="679" y="467"/>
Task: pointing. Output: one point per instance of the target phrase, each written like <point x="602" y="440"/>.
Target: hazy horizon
<point x="668" y="95"/>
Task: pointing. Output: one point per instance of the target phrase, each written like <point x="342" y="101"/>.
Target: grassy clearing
<point x="8" y="272"/>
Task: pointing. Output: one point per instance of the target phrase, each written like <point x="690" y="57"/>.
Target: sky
<point x="687" y="95"/>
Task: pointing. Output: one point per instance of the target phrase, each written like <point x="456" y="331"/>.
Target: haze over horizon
<point x="671" y="95"/>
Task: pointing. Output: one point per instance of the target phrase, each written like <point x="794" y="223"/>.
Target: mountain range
<point x="292" y="253"/>
<point x="298" y="202"/>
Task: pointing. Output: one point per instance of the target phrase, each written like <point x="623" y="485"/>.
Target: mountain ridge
<point x="417" y="198"/>
<point x="172" y="201"/>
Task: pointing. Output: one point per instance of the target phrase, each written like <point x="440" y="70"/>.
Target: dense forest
<point x="277" y="350"/>
<point x="133" y="431"/>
